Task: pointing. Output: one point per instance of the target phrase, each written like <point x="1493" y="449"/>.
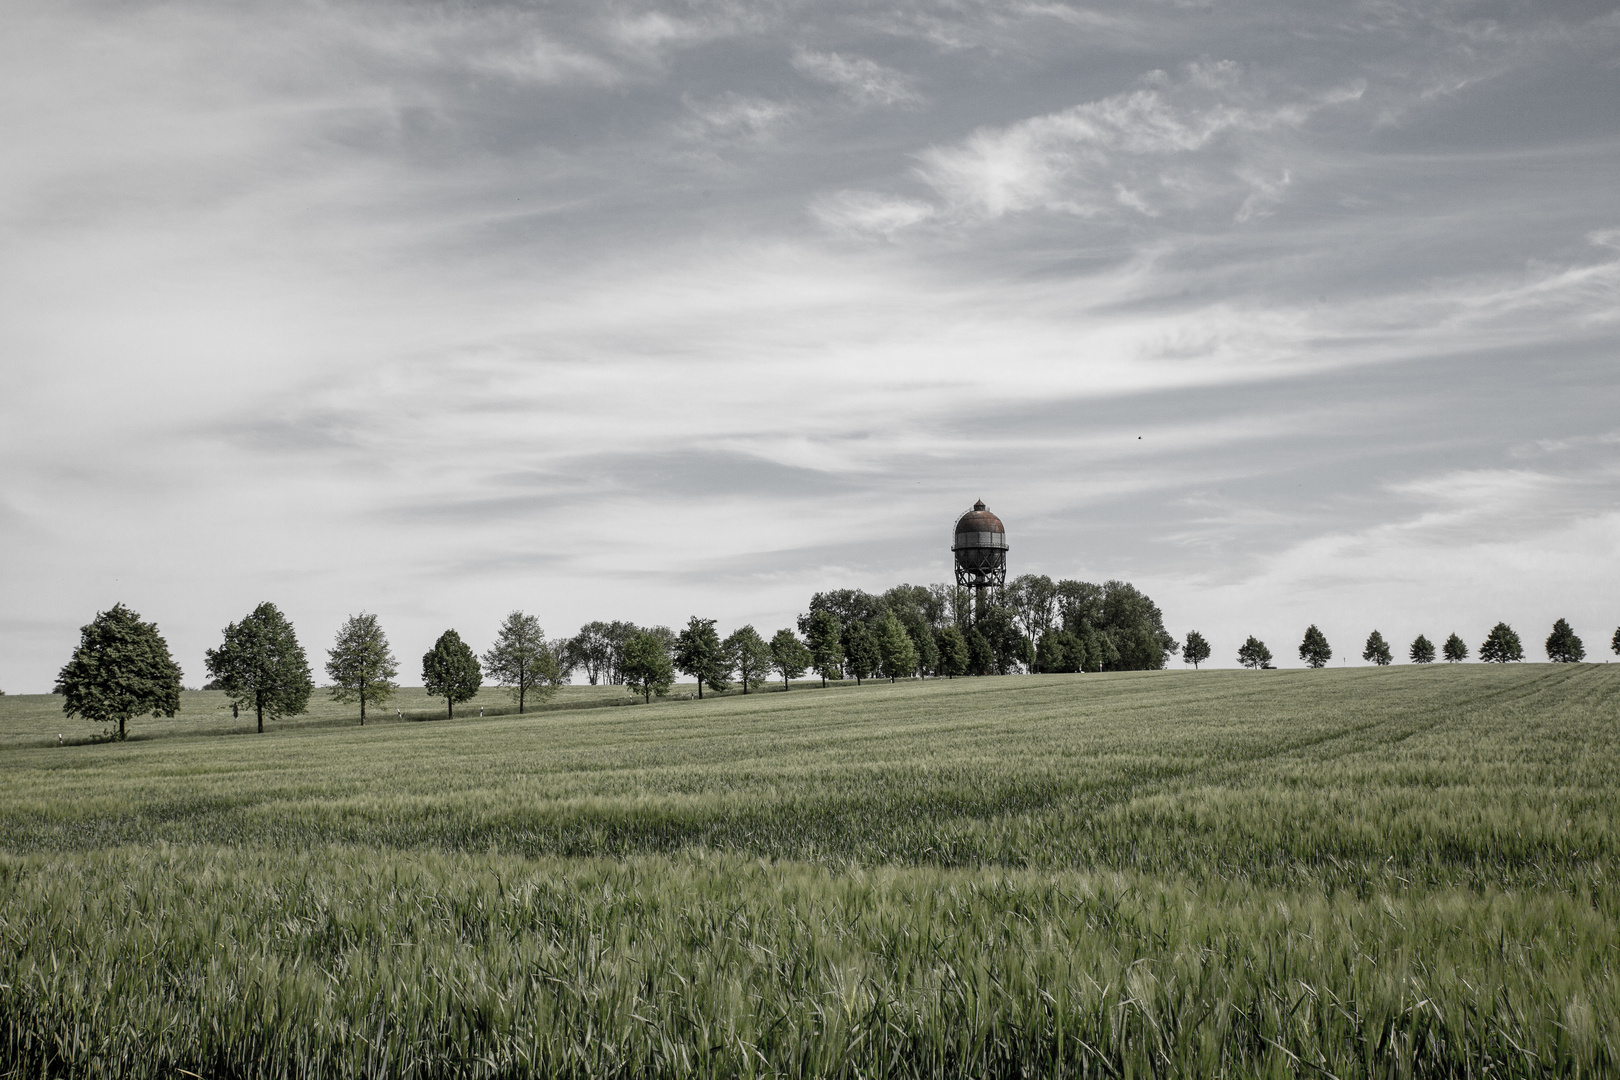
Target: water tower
<point x="980" y="545"/>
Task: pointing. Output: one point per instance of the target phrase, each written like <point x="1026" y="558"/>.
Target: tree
<point x="591" y="650"/>
<point x="522" y="660"/>
<point x="750" y="657"/>
<point x="1563" y="647"/>
<point x="789" y="656"/>
<point x="260" y="664"/>
<point x="953" y="652"/>
<point x="897" y="657"/>
<point x="1254" y="654"/>
<point x="1033" y="600"/>
<point x="860" y="651"/>
<point x="361" y="665"/>
<point x="450" y="670"/>
<point x="926" y="645"/>
<point x="1060" y="652"/>
<point x="1501" y="645"/>
<point x="1422" y="651"/>
<point x="1008" y="648"/>
<point x="825" y="638"/>
<point x="1377" y="650"/>
<point x="1134" y="627"/>
<point x="1314" y="648"/>
<point x="1196" y="649"/>
<point x="698" y="653"/>
<point x="981" y="657"/>
<point x="645" y="664"/>
<point x="121" y="668"/>
<point x="1614" y="643"/>
<point x="1456" y="650"/>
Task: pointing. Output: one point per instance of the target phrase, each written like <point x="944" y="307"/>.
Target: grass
<point x="1373" y="872"/>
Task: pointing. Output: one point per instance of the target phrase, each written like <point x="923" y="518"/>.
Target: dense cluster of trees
<point x="122" y="667"/>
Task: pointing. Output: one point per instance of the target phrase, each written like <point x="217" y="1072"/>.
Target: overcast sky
<point x="1285" y="312"/>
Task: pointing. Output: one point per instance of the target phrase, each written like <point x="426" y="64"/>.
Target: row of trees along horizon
<point x="122" y="667"/>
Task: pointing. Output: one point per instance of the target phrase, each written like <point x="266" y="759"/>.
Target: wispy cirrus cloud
<point x="864" y="81"/>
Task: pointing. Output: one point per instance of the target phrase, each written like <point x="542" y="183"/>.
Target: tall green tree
<point x="1614" y="642"/>
<point x="1377" y="650"/>
<point x="825" y="636"/>
<point x="522" y="660"/>
<point x="1501" y="646"/>
<point x="981" y="657"/>
<point x="897" y="657"/>
<point x="1033" y="600"/>
<point x="1422" y="651"/>
<point x="953" y="651"/>
<point x="860" y="651"/>
<point x="1060" y="652"/>
<point x="646" y="666"/>
<point x="1254" y="654"/>
<point x="699" y="653"/>
<point x="1563" y="647"/>
<point x="450" y="670"/>
<point x="926" y="643"/>
<point x="1008" y="648"/>
<point x="1195" y="650"/>
<point x="789" y="656"/>
<point x="591" y="650"/>
<point x="1314" y="648"/>
<point x="361" y="665"/>
<point x="1134" y="626"/>
<point x="1456" y="650"/>
<point x="261" y="665"/>
<point x="120" y="669"/>
<point x="749" y="655"/>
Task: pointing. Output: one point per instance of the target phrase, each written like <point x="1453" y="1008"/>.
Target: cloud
<point x="864" y="81"/>
<point x="865" y="212"/>
<point x="1171" y="144"/>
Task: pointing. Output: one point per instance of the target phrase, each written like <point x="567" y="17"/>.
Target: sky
<point x="1287" y="313"/>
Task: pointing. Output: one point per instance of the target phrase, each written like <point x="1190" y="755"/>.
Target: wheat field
<point x="1366" y="872"/>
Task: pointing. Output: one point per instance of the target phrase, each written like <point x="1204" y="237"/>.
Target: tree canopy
<point x="450" y="670"/>
<point x="360" y="664"/>
<point x="824" y="635"/>
<point x="860" y="651"/>
<point x="699" y="653"/>
<point x="1254" y="654"/>
<point x="1377" y="650"/>
<point x="522" y="660"/>
<point x="953" y="652"/>
<point x="120" y="669"/>
<point x="789" y="656"/>
<point x="646" y="665"/>
<point x="261" y="665"/>
<point x="748" y="655"/>
<point x="1195" y="650"/>
<point x="1501" y="645"/>
<point x="1422" y="651"/>
<point x="1456" y="650"/>
<point x="1563" y="646"/>
<point x="897" y="656"/>
<point x="1314" y="649"/>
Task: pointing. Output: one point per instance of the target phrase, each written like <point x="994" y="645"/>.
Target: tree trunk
<point x="120" y="729"/>
<point x="362" y="708"/>
<point x="450" y="706"/>
<point x="700" y="687"/>
<point x="258" y="703"/>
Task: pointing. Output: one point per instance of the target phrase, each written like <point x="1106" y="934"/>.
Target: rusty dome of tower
<point x="980" y="545"/>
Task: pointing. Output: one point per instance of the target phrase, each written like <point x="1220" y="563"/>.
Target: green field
<point x="1370" y="872"/>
